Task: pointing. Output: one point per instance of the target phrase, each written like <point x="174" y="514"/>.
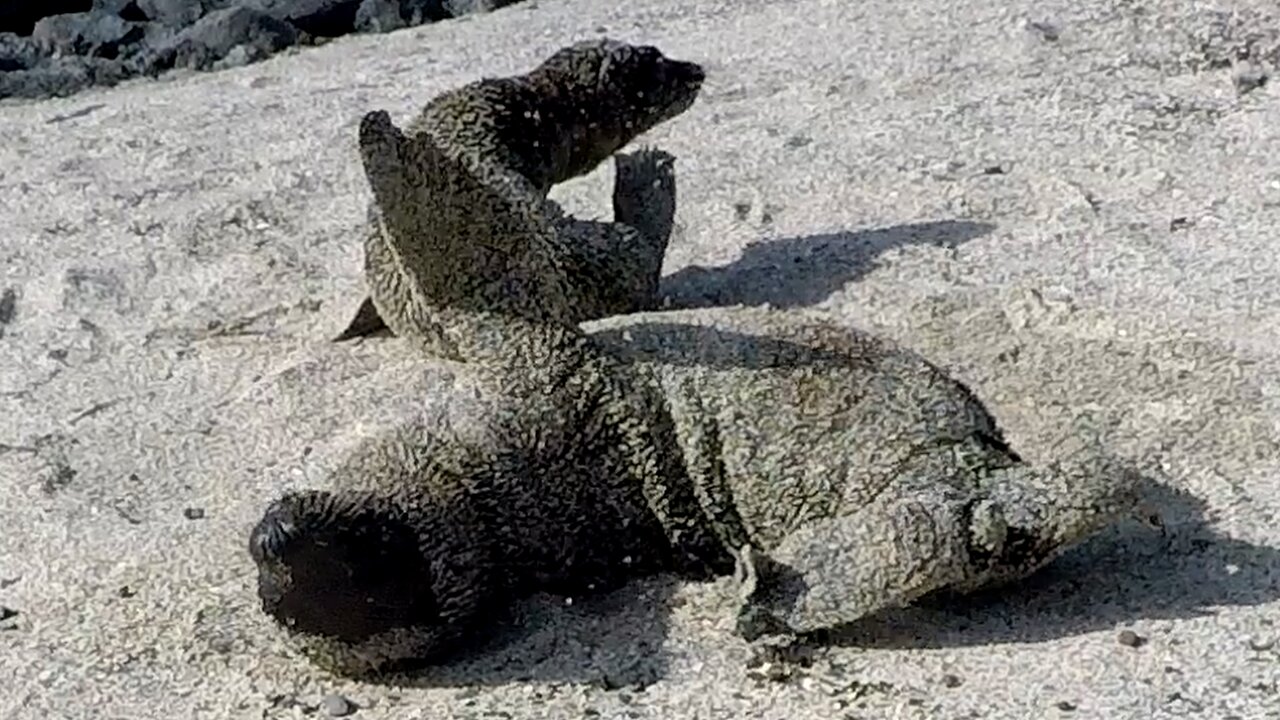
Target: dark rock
<point x="1046" y="30"/>
<point x="123" y="9"/>
<point x="8" y="308"/>
<point x="417" y="12"/>
<point x="75" y="44"/>
<point x="170" y="13"/>
<point x="193" y="513"/>
<point x="20" y="16"/>
<point x="96" y="34"/>
<point x="216" y="35"/>
<point x="177" y="13"/>
<point x="319" y="18"/>
<point x="387" y="15"/>
<point x="59" y="77"/>
<point x="1129" y="638"/>
<point x="18" y="53"/>
<point x="1250" y="79"/>
<point x="374" y="16"/>
<point x="458" y="8"/>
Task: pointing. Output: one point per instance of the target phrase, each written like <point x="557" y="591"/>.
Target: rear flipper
<point x="926" y="536"/>
<point x="1052" y="508"/>
<point x="915" y="538"/>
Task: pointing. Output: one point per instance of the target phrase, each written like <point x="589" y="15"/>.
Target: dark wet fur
<point x="339" y="570"/>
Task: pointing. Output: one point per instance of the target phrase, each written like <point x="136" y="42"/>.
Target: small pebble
<point x="1261" y="644"/>
<point x="1046" y="30"/>
<point x="777" y="672"/>
<point x="7" y="612"/>
<point x="1066" y="706"/>
<point x="952" y="681"/>
<point x="1249" y="80"/>
<point x="193" y="513"/>
<point x="337" y="706"/>
<point x="1129" y="638"/>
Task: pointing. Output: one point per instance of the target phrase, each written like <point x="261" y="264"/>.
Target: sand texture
<point x="1069" y="205"/>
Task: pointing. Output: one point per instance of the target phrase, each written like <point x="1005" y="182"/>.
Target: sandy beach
<point x="1071" y="206"/>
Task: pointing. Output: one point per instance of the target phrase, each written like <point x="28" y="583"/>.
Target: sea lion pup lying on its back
<point x="835" y="472"/>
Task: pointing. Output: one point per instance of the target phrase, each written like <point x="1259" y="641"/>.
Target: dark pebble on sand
<point x="1246" y="81"/>
<point x="193" y="513"/>
<point x="1261" y="644"/>
<point x="1129" y="638"/>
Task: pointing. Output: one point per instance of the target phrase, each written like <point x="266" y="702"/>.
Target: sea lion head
<point x="626" y="89"/>
<point x="362" y="582"/>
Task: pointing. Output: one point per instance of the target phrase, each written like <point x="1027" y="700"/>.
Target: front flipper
<point x="911" y="540"/>
<point x="616" y="266"/>
<point x="468" y="246"/>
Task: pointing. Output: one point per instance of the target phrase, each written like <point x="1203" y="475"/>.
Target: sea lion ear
<point x="613" y="59"/>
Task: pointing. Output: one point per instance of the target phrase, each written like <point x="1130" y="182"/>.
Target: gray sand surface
<point x="1081" y="224"/>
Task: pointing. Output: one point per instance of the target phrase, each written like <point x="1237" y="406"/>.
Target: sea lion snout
<point x="690" y="73"/>
<point x="270" y="538"/>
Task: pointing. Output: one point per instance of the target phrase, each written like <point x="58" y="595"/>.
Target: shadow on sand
<point x="1127" y="574"/>
<point x="801" y="271"/>
<point x="612" y="641"/>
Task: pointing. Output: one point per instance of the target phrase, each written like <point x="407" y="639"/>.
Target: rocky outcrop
<point x="58" y="47"/>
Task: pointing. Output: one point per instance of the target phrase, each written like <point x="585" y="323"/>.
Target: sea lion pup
<point x="835" y="473"/>
<point x="557" y="122"/>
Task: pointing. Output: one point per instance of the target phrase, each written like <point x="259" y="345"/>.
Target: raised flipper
<point x="916" y="537"/>
<point x="615" y="266"/>
<point x="644" y="198"/>
<point x="464" y="243"/>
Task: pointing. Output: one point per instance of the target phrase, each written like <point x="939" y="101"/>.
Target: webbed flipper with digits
<point x="912" y="539"/>
<point x="615" y="266"/>
<point x="923" y="536"/>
